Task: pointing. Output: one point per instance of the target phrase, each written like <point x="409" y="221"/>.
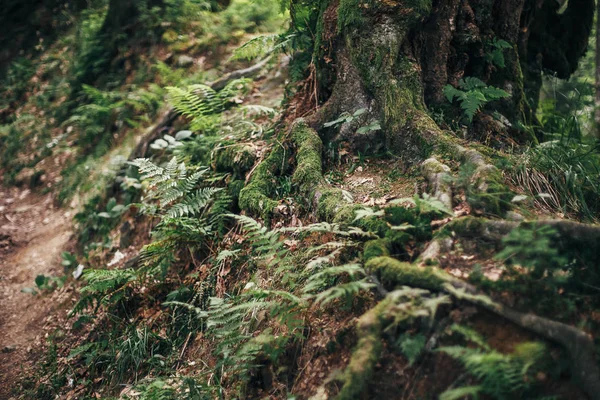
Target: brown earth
<point x="33" y="233"/>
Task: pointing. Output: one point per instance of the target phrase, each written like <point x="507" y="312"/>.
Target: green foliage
<point x="346" y="291"/>
<point x="532" y="247"/>
<point x="485" y="190"/>
<point x="563" y="175"/>
<point x="173" y="388"/>
<point x="94" y="223"/>
<point x="472" y="95"/>
<point x="411" y="346"/>
<point x="188" y="214"/>
<point x="494" y="51"/>
<point x="100" y="112"/>
<point x="16" y="81"/>
<point x="203" y="105"/>
<point x="501" y="376"/>
<point x="261" y="46"/>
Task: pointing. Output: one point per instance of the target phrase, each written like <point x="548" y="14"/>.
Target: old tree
<point x="227" y="219"/>
<point x="396" y="63"/>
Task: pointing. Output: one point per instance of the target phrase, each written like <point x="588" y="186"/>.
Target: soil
<point x="33" y="233"/>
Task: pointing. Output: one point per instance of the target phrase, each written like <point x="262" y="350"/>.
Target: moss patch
<point x="235" y="158"/>
<point x="256" y="197"/>
<point x="393" y="273"/>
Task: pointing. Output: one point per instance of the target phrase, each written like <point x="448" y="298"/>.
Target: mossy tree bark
<point x="395" y="57"/>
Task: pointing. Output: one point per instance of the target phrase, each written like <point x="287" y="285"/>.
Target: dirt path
<point x="33" y="234"/>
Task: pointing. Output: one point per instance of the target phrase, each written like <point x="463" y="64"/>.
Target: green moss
<point x="488" y="193"/>
<point x="376" y="248"/>
<point x="394" y="79"/>
<point x="420" y="221"/>
<point x="309" y="172"/>
<point x="332" y="206"/>
<point x="398" y="240"/>
<point x="367" y="352"/>
<point x="350" y="13"/>
<point x="256" y="196"/>
<point x="235" y="187"/>
<point x="236" y="158"/>
<point x="374" y="224"/>
<point x="393" y="273"/>
<point x="463" y="226"/>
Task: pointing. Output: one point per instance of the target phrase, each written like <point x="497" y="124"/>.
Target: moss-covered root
<point x="366" y="354"/>
<point x="329" y="203"/>
<point x="439" y="178"/>
<point x="578" y="344"/>
<point x="393" y="273"/>
<point x="238" y="158"/>
<point x="256" y="197"/>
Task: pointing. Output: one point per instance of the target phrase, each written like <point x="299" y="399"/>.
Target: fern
<point x="501" y="376"/>
<point x="202" y="104"/>
<point x="102" y="281"/>
<point x="472" y="95"/>
<point x="188" y="214"/>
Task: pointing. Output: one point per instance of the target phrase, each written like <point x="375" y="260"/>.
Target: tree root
<point x="329" y="203"/>
<point x="256" y="197"/>
<point x="238" y="74"/>
<point x="579" y="345"/>
<point x="578" y="239"/>
<point x="439" y="179"/>
<point x="359" y="371"/>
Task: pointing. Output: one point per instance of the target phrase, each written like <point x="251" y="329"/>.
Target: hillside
<point x="307" y="199"/>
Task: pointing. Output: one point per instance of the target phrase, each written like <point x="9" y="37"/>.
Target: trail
<point x="33" y="233"/>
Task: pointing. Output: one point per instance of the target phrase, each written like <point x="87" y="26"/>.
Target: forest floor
<point x="33" y="233"/>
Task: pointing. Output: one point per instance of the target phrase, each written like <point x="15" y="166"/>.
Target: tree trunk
<point x="130" y="25"/>
<point x="395" y="58"/>
<point x="597" y="103"/>
<point x="123" y="16"/>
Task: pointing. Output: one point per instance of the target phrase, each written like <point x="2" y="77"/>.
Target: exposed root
<point x="238" y="158"/>
<point x="329" y="203"/>
<point x="573" y="237"/>
<point x="367" y="352"/>
<point x="256" y="197"/>
<point x="240" y="73"/>
<point x="577" y="343"/>
<point x="439" y="179"/>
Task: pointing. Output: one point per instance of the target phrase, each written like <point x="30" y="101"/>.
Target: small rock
<point x="46" y="221"/>
<point x="514" y="216"/>
<point x="9" y="348"/>
<point x="184" y="61"/>
<point x="78" y="271"/>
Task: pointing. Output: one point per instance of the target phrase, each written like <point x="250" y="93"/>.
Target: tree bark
<point x="395" y="57"/>
<point x="597" y="102"/>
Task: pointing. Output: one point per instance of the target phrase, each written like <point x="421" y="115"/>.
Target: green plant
<point x="262" y="46"/>
<point x="346" y="118"/>
<point x="500" y="376"/>
<point x="318" y="286"/>
<point x="563" y="175"/>
<point x="532" y="247"/>
<point x="189" y="209"/>
<point x="472" y="94"/>
<point x="494" y="51"/>
<point x="203" y="105"/>
<point x="411" y="346"/>
<point x="95" y="224"/>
